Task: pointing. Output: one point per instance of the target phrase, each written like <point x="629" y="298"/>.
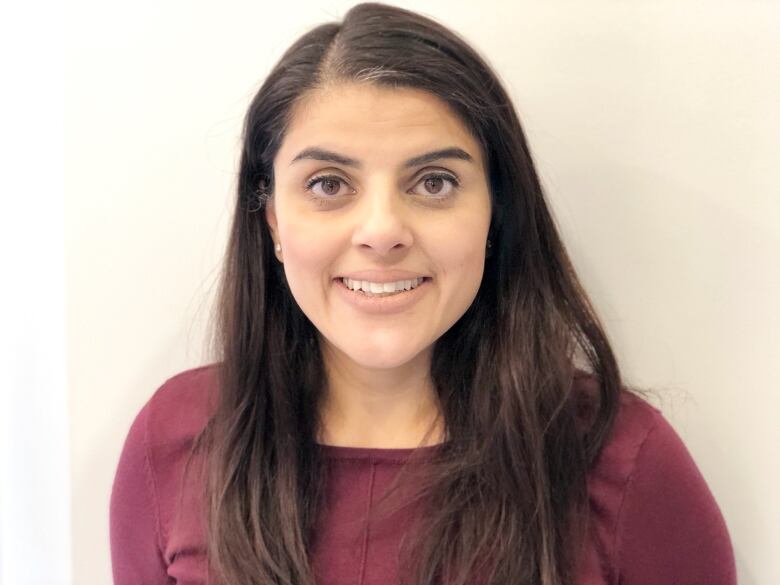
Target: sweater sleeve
<point x="671" y="529"/>
<point x="136" y="557"/>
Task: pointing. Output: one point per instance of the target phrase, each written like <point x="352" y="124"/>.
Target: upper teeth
<point x="380" y="287"/>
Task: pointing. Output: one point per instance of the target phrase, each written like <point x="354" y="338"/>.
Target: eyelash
<point x="447" y="177"/>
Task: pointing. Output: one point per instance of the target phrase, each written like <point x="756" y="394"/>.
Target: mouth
<point x="370" y="289"/>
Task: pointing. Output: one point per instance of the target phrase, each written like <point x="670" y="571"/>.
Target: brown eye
<point x="434" y="184"/>
<point x="329" y="185"/>
<point x="439" y="185"/>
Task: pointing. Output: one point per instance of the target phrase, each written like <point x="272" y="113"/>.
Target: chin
<point x="378" y="356"/>
<point x="379" y="360"/>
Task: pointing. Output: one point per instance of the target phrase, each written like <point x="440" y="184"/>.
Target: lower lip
<point x="390" y="304"/>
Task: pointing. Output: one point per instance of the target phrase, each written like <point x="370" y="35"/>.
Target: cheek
<point x="461" y="261"/>
<point x="308" y="255"/>
<point x="470" y="278"/>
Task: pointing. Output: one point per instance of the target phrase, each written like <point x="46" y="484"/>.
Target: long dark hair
<point x="510" y="482"/>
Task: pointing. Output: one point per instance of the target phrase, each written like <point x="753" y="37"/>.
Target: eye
<point x="435" y="185"/>
<point x="330" y="185"/>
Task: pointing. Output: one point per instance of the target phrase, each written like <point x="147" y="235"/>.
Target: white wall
<point x="34" y="468"/>
<point x="654" y="125"/>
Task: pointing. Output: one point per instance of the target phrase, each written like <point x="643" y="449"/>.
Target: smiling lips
<point x="382" y="287"/>
<point x="383" y="276"/>
<point x="387" y="300"/>
<point x="382" y="282"/>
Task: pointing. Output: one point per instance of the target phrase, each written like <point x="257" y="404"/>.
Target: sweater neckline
<point x="376" y="453"/>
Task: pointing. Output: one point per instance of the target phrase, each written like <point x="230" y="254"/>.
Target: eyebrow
<point x="317" y="153"/>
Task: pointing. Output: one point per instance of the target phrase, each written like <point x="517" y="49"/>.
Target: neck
<point x="379" y="408"/>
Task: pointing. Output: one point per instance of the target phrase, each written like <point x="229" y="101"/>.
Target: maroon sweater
<point x="653" y="518"/>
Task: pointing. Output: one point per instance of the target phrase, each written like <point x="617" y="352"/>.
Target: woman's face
<point x="357" y="194"/>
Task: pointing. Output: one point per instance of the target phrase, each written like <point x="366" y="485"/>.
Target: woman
<point x="396" y="397"/>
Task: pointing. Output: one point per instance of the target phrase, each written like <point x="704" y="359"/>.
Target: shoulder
<point x="147" y="479"/>
<point x="180" y="407"/>
<point x="164" y="431"/>
<point x="652" y="509"/>
<point x="611" y="472"/>
<point x="634" y="424"/>
<point x="174" y="414"/>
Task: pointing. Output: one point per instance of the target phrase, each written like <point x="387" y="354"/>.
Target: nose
<point x="382" y="221"/>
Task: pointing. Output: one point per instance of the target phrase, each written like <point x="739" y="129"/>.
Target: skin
<point x="379" y="216"/>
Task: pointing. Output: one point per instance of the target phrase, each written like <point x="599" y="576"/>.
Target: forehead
<point x="369" y="118"/>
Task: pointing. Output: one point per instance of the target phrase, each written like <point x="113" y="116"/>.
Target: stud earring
<point x="278" y="247"/>
<point x="488" y="249"/>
